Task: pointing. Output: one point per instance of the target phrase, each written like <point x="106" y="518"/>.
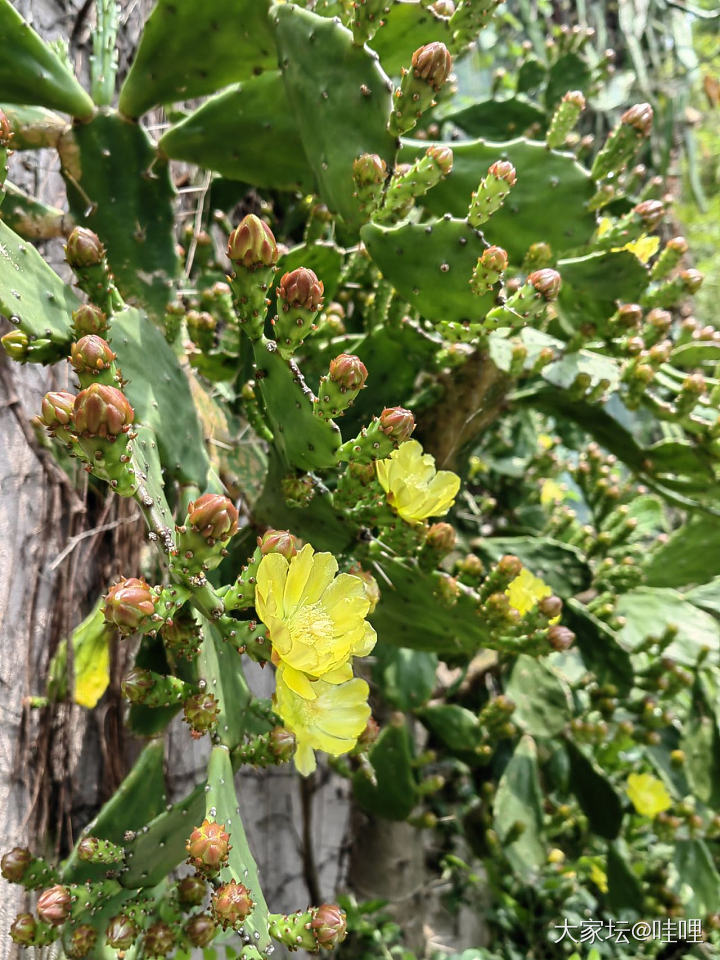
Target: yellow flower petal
<point x="599" y="878"/>
<point x="270" y="586"/>
<point x="299" y="683"/>
<point x="551" y="492"/>
<point x="647" y="794"/>
<point x="525" y="591"/>
<point x="413" y="488"/>
<point x="643" y="248"/>
<point x="297" y="577"/>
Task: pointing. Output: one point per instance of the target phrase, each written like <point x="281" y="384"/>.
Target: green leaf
<point x="341" y="98"/>
<point x="598" y="279"/>
<point x="561" y="566"/>
<point x="569" y="72"/>
<point x="699" y="883"/>
<point x="624" y="889"/>
<point x="499" y="119"/>
<point x="221" y="805"/>
<point x="395" y="793"/>
<point x="518" y="800"/>
<point x="30" y="72"/>
<point x="599" y="647"/>
<point x="701" y="745"/>
<point x="691" y="555"/>
<point x="189" y="49"/>
<point x="706" y="596"/>
<point x="597" y="797"/>
<point x="542" y="699"/>
<point x="245" y="133"/>
<point x="455" y="726"/>
<point x="91" y="661"/>
<point x="407" y="677"/>
<point x="118" y="187"/>
<point x="648" y="611"/>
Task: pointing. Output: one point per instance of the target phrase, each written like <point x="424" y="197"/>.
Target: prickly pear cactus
<point x="456" y="334"/>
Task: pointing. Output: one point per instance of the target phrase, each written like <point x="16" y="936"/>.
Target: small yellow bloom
<point x="332" y="721"/>
<point x="643" y="248"/>
<point x="414" y="489"/>
<point x="551" y="492"/>
<point x="316" y="619"/>
<point x="647" y="794"/>
<point x="599" y="878"/>
<point x="525" y="591"/>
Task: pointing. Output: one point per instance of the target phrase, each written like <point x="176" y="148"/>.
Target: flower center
<point x="310" y="625"/>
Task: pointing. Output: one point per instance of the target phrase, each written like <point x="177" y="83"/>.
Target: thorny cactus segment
<point x="102" y="411"/>
<point x="624" y="141"/>
<point x="429" y="69"/>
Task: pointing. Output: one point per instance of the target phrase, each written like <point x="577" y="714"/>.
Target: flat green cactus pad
<point x="592" y="283"/>
<point x="245" y="133"/>
<point x="546" y="180"/>
<point x="117" y="187"/>
<point x="396" y="791"/>
<point x="430" y="265"/>
<point x="188" y="49"/>
<point x="221" y="666"/>
<point x="341" y="97"/>
<point x="34" y="298"/>
<point x="30" y="72"/>
<point x="499" y="119"/>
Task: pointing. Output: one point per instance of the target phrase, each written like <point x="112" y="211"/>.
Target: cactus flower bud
<point x="397" y="423"/>
<point x="102" y="411"/>
<point x="348" y="372"/>
<point x="53" y="905"/>
<point x="678" y="245"/>
<point x="15" y="344"/>
<point x="495" y="259"/>
<point x="560" y="637"/>
<point x="546" y="282"/>
<point x="575" y="98"/>
<point x="129" y="604"/>
<point x="301" y="288"/>
<point x="650" y="212"/>
<point x="208" y="846"/>
<point x="639" y="116"/>
<point x="550" y="607"/>
<point x="23" y="928"/>
<point x="443" y="157"/>
<point x="369" y="169"/>
<point x="282" y="744"/>
<point x="441" y="537"/>
<point x="432" y="63"/>
<point x="14" y="864"/>
<point x="57" y="409"/>
<point x="443" y="8"/>
<point x="503" y="170"/>
<point x="91" y="355"/>
<point x="135" y="687"/>
<point x="191" y="891"/>
<point x="84" y="248"/>
<point x="691" y="280"/>
<point x="5" y="130"/>
<point x="509" y="566"/>
<point x="159" y="940"/>
<point x="201" y="713"/>
<point x="329" y="926"/>
<point x="82" y="940"/>
<point x="278" y="541"/>
<point x="89" y="319"/>
<point x="200" y="929"/>
<point x="231" y="904"/>
<point x="121" y="932"/>
<point x="252" y="244"/>
<point x="629" y="315"/>
<point x="213" y="516"/>
<point x="370" y="734"/>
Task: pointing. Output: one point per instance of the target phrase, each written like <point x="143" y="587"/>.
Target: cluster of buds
<point x="429" y="69"/>
<point x="530" y="302"/>
<point x="300" y="299"/>
<point x="267" y="749"/>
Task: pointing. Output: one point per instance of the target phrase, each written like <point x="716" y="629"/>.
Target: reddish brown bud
<point x="231" y="904"/>
<point x="546" y="282"/>
<point x="278" y="541"/>
<point x="432" y="63"/>
<point x="576" y="98"/>
<point x="252" y="244"/>
<point x="5" y="130"/>
<point x="471" y="565"/>
<point x="650" y="212"/>
<point x="53" y="905"/>
<point x="560" y="637"/>
<point x="282" y="744"/>
<point x="443" y="157"/>
<point x="495" y="259"/>
<point x="23" y="929"/>
<point x="82" y="940"/>
<point x="301" y="288"/>
<point x="550" y="607"/>
<point x="503" y="170"/>
<point x="84" y="248"/>
<point x="14" y="864"/>
<point x="639" y="116"/>
<point x="129" y="604"/>
<point x="91" y="354"/>
<point x="509" y="566"/>
<point x="443" y="8"/>
<point x="191" y="891"/>
<point x="57" y="409"/>
<point x="329" y="926"/>
<point x="369" y="169"/>
<point x="208" y="846"/>
<point x="200" y="929"/>
<point x="121" y="932"/>
<point x="678" y="245"/>
<point x="397" y="423"/>
<point x="629" y="315"/>
<point x="89" y="319"/>
<point x="159" y="940"/>
<point x="213" y="516"/>
<point x="201" y="713"/>
<point x="441" y="537"/>
<point x="692" y="280"/>
<point x="136" y="686"/>
<point x="370" y="734"/>
<point x="102" y="411"/>
<point x="348" y="372"/>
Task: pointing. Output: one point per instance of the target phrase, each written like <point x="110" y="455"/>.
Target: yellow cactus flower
<point x="525" y="591"/>
<point x="332" y="721"/>
<point x="647" y="794"/>
<point x="643" y="248"/>
<point x="599" y="877"/>
<point x="551" y="492"/>
<point x="316" y="620"/>
<point x="414" y="489"/>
